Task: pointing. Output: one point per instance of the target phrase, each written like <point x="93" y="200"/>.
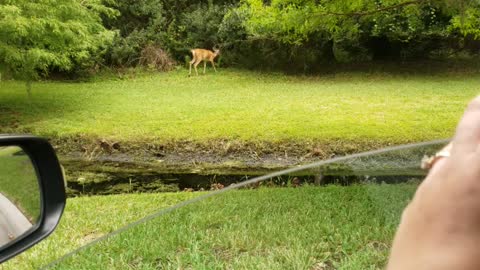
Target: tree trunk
<point x="29" y="89"/>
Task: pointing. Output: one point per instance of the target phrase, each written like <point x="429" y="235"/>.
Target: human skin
<point x="440" y="228"/>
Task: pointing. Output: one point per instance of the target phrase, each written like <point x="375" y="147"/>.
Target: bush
<point x="177" y="25"/>
<point x="155" y="57"/>
<point x="250" y="35"/>
<point x="125" y="51"/>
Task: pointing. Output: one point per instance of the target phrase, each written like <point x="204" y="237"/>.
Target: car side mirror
<point x="32" y="193"/>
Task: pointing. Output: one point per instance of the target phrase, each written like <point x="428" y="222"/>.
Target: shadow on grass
<point x="420" y="68"/>
<point x="402" y="68"/>
<point x="18" y="112"/>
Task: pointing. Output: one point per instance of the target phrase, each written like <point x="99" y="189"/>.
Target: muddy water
<point x="103" y="178"/>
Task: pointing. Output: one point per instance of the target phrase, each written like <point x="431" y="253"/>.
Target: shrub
<point x="157" y="58"/>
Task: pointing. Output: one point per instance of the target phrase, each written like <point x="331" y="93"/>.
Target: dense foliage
<point x="364" y="30"/>
<point x="296" y="35"/>
<point x="176" y="26"/>
<point x="40" y="36"/>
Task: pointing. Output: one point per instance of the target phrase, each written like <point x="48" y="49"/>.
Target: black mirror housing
<point x="52" y="188"/>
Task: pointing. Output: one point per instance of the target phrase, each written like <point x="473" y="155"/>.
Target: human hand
<point x="440" y="228"/>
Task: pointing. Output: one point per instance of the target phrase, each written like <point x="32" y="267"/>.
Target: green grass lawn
<point x="243" y="105"/>
<point x="305" y="228"/>
<point x="267" y="228"/>
<point x="87" y="218"/>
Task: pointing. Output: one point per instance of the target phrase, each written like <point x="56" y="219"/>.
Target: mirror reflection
<point x="20" y="199"/>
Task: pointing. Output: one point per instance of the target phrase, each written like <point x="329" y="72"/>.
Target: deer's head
<point x="216" y="50"/>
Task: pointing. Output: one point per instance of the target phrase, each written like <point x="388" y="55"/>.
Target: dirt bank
<point x="210" y="155"/>
<point x="102" y="166"/>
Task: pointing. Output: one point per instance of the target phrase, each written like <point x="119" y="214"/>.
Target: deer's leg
<point x="195" y="66"/>
<point x="204" y="66"/>
<point x="213" y="64"/>
<point x="191" y="63"/>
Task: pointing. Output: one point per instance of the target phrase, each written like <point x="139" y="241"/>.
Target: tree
<point x="38" y="36"/>
<point x="350" y="25"/>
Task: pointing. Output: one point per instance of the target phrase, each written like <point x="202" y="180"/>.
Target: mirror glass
<point x="20" y="197"/>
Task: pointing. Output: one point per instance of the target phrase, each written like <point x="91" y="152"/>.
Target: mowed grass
<point x="304" y="228"/>
<point x="243" y="105"/>
<point x="87" y="218"/>
<point x="332" y="227"/>
<point x="309" y="227"/>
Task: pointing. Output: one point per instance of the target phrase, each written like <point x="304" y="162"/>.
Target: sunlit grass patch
<point x="243" y="105"/>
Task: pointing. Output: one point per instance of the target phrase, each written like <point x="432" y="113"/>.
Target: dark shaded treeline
<point x="424" y="30"/>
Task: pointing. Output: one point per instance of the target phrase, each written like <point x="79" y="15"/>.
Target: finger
<point x="437" y="169"/>
<point x="467" y="136"/>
